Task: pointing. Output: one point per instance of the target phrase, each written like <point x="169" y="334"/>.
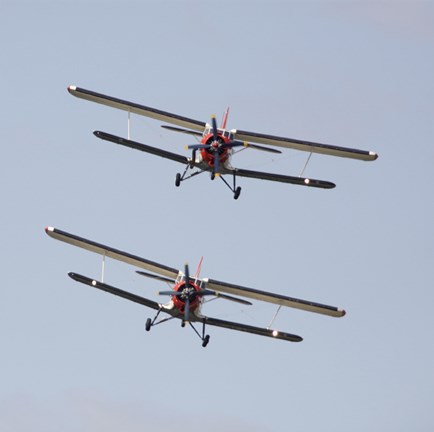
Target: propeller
<point x="214" y="128"/>
<point x="216" y="145"/>
<point x="171" y="293"/>
<point x="188" y="292"/>
<point x="187" y="286"/>
<point x="187" y="309"/>
<point x="186" y="275"/>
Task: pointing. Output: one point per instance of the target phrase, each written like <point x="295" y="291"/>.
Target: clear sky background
<point x="356" y="74"/>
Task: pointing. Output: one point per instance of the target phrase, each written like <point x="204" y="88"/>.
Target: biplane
<point x="217" y="145"/>
<point x="188" y="293"/>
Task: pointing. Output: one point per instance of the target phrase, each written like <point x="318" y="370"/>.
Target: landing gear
<point x="152" y="322"/>
<point x="236" y="190"/>
<point x="148" y="324"/>
<point x="204" y="338"/>
<point x="185" y="175"/>
<point x="205" y="341"/>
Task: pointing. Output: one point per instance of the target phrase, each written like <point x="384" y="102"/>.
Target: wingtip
<point x="49" y="229"/>
<point x="71" y="88"/>
<point x="71" y="275"/>
<point x="328" y="184"/>
<point x="293" y="338"/>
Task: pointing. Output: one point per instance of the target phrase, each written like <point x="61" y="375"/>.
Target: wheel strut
<point x="204" y="338"/>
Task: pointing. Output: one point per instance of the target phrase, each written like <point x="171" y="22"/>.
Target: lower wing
<point x="301" y="181"/>
<point x="142" y="147"/>
<point x="174" y="312"/>
<point x="239" y="172"/>
<point x="250" y="329"/>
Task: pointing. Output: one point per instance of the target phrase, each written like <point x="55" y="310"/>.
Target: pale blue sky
<point x="356" y="74"/>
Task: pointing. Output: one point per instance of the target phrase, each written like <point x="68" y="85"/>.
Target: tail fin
<point x="196" y="276"/>
<point x="225" y="118"/>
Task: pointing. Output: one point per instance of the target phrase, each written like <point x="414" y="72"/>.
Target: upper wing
<point x="250" y="329"/>
<point x="136" y="108"/>
<point x="111" y="252"/>
<point x="274" y="298"/>
<point x="306" y="145"/>
<point x="200" y="126"/>
<point x="283" y="178"/>
<point x="142" y="147"/>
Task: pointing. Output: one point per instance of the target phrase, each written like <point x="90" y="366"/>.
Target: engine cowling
<point x="190" y="291"/>
<point x="209" y="154"/>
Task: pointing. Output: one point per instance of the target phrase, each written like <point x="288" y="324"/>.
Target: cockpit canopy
<point x="223" y="132"/>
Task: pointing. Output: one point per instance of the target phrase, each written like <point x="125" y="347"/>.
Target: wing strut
<point x="305" y="165"/>
<point x="129" y="125"/>
<point x="103" y="268"/>
<point x="274" y="317"/>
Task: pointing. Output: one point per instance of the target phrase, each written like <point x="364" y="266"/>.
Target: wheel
<point x="177" y="179"/>
<point x="237" y="192"/>
<point x="182" y="323"/>
<point x="148" y="324"/>
<point x="212" y="176"/>
<point x="205" y="341"/>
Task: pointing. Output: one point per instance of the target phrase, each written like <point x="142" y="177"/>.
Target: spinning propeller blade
<point x="171" y="293"/>
<point x="187" y="285"/>
<point x="187" y="309"/>
<point x="215" y="134"/>
<point x="214" y="128"/>
<point x="186" y="275"/>
<point x="198" y="146"/>
<point x="216" y="162"/>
